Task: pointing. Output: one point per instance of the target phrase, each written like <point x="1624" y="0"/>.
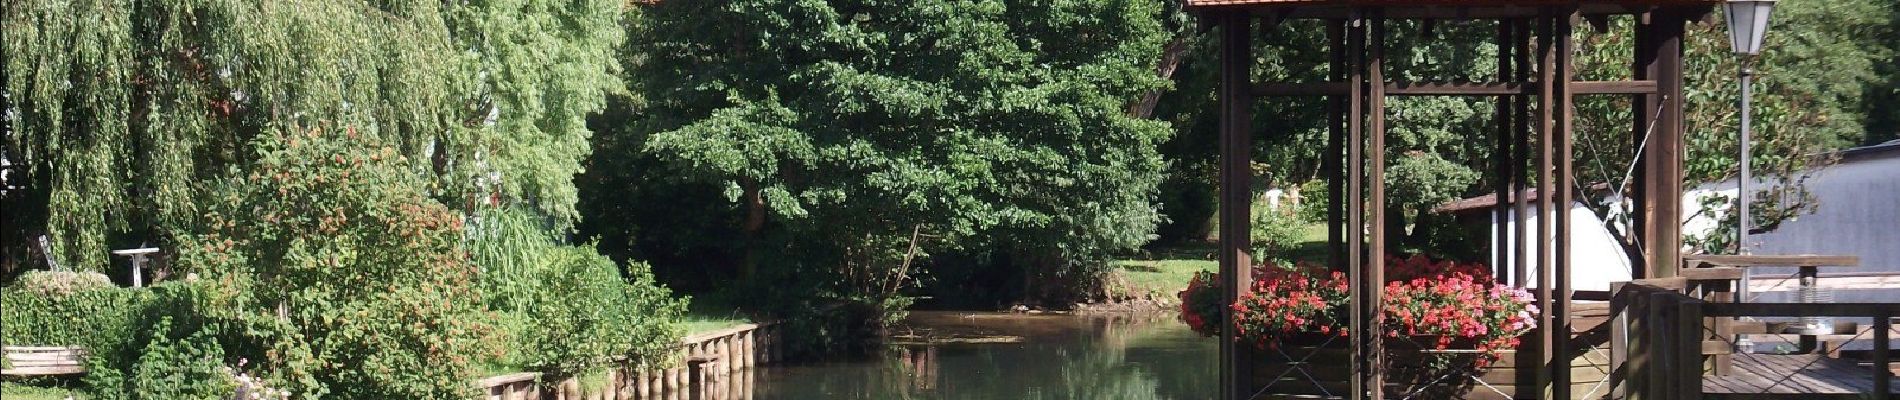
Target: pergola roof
<point x="1439" y="9"/>
<point x="1474" y="3"/>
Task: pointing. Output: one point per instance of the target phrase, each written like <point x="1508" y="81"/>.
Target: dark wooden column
<point x="1236" y="196"/>
<point x="1546" y="126"/>
<point x="1565" y="189"/>
<point x="1643" y="109"/>
<point x="1355" y="199"/>
<point x="1501" y="155"/>
<point x="1661" y="180"/>
<point x="1374" y="278"/>
<point x="1333" y="162"/>
<point x="1520" y="156"/>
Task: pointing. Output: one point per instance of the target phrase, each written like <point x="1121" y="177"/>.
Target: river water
<point x="962" y="355"/>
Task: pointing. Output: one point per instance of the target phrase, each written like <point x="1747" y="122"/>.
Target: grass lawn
<point x="706" y="315"/>
<point x="13" y="391"/>
<point x="1159" y="278"/>
<point x="1165" y="271"/>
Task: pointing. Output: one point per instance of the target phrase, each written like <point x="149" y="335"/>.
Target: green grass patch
<point x="14" y="391"/>
<point x="1159" y="278"/>
<point x="1164" y="271"/>
<point x="706" y="314"/>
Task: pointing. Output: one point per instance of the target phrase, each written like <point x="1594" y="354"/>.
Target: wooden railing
<point x="1659" y="340"/>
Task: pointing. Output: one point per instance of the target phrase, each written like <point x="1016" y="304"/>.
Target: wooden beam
<point x="1711" y="274"/>
<point x="1614" y="87"/>
<point x="1455" y="88"/>
<point x="1800" y="309"/>
<point x="1400" y="11"/>
<point x="1798" y="260"/>
<point x="1235" y="195"/>
<point x="1478" y="89"/>
<point x="1299" y="89"/>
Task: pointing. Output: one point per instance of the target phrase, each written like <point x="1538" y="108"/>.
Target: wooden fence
<point x="704" y="362"/>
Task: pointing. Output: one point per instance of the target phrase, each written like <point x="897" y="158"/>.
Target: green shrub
<point x="62" y="282"/>
<point x="1314" y="193"/>
<point x="191" y="367"/>
<point x="1276" y="230"/>
<point x="586" y="315"/>
<point x="362" y="288"/>
<point x="103" y="320"/>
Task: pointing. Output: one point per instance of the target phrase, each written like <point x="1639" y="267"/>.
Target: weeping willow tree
<point x="115" y="111"/>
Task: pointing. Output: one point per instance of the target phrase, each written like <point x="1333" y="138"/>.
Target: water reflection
<point x="944" y="355"/>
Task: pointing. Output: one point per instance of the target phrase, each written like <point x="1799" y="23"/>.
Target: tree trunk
<point x="753" y="225"/>
<point x="1171" y="57"/>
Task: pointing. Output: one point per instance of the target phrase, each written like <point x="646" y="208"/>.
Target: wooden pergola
<point x="1534" y="92"/>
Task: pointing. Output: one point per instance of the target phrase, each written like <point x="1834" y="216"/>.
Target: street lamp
<point x="1747" y="24"/>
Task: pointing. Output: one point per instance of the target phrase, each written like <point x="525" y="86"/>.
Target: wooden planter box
<point x="1306" y="370"/>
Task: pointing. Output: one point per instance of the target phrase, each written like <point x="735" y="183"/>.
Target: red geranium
<point x="1454" y="304"/>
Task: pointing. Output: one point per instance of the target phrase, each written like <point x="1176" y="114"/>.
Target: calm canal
<point x="963" y="355"/>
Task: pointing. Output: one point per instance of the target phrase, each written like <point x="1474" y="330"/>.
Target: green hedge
<point x="101" y="320"/>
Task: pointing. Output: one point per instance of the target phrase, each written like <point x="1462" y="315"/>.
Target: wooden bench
<point x="43" y="361"/>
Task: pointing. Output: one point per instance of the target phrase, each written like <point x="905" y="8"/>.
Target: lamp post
<point x="1747" y="24"/>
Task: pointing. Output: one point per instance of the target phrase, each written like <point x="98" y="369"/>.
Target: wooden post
<point x="1520" y="253"/>
<point x="1619" y="340"/>
<point x="1333" y="163"/>
<point x="1546" y="118"/>
<point x="1883" y="369"/>
<point x="1688" y="369"/>
<point x="1560" y="271"/>
<point x="1235" y="194"/>
<point x="1355" y="204"/>
<point x="1656" y="345"/>
<point x="1375" y="274"/>
<point x="1501" y="157"/>
<point x="1662" y="157"/>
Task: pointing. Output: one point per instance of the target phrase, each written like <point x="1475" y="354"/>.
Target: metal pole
<point x="1742" y="343"/>
<point x="1742" y="211"/>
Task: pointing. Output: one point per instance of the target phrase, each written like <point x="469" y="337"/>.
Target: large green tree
<point x="852" y="129"/>
<point x="116" y="111"/>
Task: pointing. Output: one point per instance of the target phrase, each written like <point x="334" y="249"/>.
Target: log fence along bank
<point x="706" y="364"/>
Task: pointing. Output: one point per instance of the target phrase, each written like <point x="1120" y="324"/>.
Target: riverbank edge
<point x="703" y="360"/>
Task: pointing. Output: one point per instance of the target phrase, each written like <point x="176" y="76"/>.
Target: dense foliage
<point x="319" y="164"/>
<point x="367" y="271"/>
<point x="586" y="316"/>
<point x="844" y="132"/>
<point x="116" y="113"/>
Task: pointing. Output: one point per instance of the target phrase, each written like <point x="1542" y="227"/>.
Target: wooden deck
<point x="1798" y="376"/>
